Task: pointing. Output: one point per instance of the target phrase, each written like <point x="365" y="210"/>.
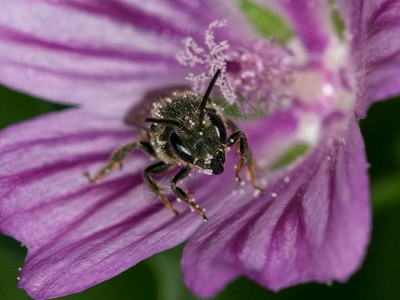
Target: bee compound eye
<point x="179" y="148"/>
<point x="218" y="125"/>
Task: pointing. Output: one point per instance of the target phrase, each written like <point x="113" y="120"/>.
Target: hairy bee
<point x="188" y="130"/>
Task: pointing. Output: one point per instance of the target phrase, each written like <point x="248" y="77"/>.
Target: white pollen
<point x="286" y="179"/>
<point x="310" y="128"/>
<point x="201" y="133"/>
<point x="256" y="192"/>
<point x="274" y="195"/>
<point x="327" y="90"/>
<point x="19" y="269"/>
<point x="207" y="171"/>
<point x="18" y="278"/>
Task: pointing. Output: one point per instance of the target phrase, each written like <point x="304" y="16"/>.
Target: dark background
<point x="160" y="277"/>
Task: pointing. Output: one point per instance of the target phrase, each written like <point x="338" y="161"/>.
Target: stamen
<point x="259" y="70"/>
<point x="215" y="59"/>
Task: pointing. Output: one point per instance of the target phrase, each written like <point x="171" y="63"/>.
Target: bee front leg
<point x="117" y="158"/>
<point x="158" y="168"/>
<point x="183" y="195"/>
<point x="246" y="158"/>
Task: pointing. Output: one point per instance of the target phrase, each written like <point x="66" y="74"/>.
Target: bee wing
<point x="138" y="113"/>
<point x="242" y="109"/>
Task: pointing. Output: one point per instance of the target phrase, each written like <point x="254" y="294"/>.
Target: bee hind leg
<point x="158" y="168"/>
<point x="117" y="158"/>
<point x="183" y="195"/>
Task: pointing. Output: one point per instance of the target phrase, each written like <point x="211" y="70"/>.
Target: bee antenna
<point x="208" y="92"/>
<point x="164" y="121"/>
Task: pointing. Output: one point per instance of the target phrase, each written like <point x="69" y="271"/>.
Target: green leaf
<point x="168" y="274"/>
<point x="385" y="192"/>
<point x="11" y="258"/>
<point x="292" y="154"/>
<point x="337" y="20"/>
<point x="16" y="107"/>
<point x="265" y="22"/>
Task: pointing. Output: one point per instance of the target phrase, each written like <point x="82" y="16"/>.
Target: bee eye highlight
<point x="179" y="148"/>
<point x="219" y="126"/>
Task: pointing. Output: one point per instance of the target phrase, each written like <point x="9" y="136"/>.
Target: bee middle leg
<point x="158" y="168"/>
<point x="117" y="158"/>
<point x="245" y="159"/>
<point x="183" y="195"/>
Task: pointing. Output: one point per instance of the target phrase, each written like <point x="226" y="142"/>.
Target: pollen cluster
<point x="259" y="71"/>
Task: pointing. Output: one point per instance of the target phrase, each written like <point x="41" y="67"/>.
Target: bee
<point x="185" y="130"/>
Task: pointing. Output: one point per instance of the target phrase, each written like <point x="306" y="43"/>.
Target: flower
<point x="313" y="221"/>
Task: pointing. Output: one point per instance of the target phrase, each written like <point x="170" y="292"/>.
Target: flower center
<point x="258" y="71"/>
<point x="273" y="77"/>
<point x="261" y="71"/>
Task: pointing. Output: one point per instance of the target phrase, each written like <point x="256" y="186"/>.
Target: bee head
<point x="202" y="144"/>
<point x="199" y="138"/>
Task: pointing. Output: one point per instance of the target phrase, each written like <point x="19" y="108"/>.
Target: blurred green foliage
<point x="266" y="22"/>
<point x="293" y="153"/>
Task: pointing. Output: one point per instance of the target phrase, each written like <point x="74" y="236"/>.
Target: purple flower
<point x="312" y="223"/>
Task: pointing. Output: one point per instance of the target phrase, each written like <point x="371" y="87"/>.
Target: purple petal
<point x="310" y="20"/>
<point x="312" y="224"/>
<point x="43" y="160"/>
<point x="374" y="27"/>
<point x="108" y="52"/>
<point x="79" y="234"/>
